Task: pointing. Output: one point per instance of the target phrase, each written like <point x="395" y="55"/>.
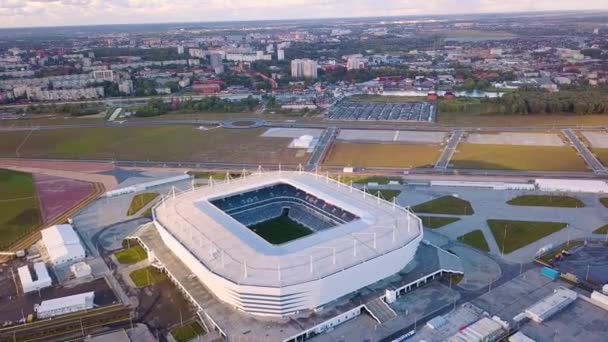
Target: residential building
<point x="304" y="68"/>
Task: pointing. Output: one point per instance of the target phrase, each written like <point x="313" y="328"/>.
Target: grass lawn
<point x="602" y="230"/>
<point x="434" y="222"/>
<point x="187" y="331"/>
<point x="383" y="155"/>
<point x="19" y="209"/>
<point x="147" y="276"/>
<point x="521" y="233"/>
<point x="475" y="239"/>
<point x="477" y="119"/>
<point x="139" y="201"/>
<point x="280" y="230"/>
<point x="601" y="154"/>
<point x="445" y="205"/>
<point x="517" y="157"/>
<point x="604" y="201"/>
<point x="131" y="255"/>
<point x="386" y="194"/>
<point x="547" y="201"/>
<point x="155" y="143"/>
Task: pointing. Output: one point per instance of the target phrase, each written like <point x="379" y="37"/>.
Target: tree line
<point x="156" y="107"/>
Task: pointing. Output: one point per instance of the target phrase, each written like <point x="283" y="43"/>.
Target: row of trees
<point x="156" y="107"/>
<point x="72" y="109"/>
<point x="581" y="101"/>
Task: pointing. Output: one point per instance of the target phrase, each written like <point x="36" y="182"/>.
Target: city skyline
<point x="40" y="13"/>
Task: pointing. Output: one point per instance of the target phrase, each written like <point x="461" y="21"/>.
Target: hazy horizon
<point x="43" y="13"/>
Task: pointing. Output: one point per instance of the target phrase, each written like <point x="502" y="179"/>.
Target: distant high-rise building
<point x="303" y="68"/>
<point x="103" y="75"/>
<point x="355" y="63"/>
<point x="215" y="59"/>
<point x="180" y="49"/>
<point x="280" y="54"/>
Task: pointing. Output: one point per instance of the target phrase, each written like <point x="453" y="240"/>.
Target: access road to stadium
<point x="590" y="159"/>
<point x="448" y="152"/>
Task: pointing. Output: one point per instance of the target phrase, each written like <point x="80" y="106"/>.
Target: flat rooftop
<point x="230" y="249"/>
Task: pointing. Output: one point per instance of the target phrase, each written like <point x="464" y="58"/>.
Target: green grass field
<point x="475" y="239"/>
<point x="19" y="208"/>
<point x="187" y="332"/>
<point x="604" y="201"/>
<point x="435" y="222"/>
<point x="547" y="201"/>
<point x="131" y="255"/>
<point x="601" y="154"/>
<point x="445" y="205"/>
<point x="383" y="155"/>
<point x="139" y="201"/>
<point x="155" y="143"/>
<point x="601" y="230"/>
<point x="517" y="157"/>
<point x="147" y="276"/>
<point x="280" y="230"/>
<point x="386" y="194"/>
<point x="513" y="235"/>
<point x="215" y="175"/>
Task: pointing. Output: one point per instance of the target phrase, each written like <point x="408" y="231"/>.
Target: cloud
<point x="17" y="13"/>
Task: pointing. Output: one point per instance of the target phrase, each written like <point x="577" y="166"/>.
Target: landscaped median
<point x="141" y="200"/>
<point x="187" y="332"/>
<point x="559" y="201"/>
<point x="435" y="222"/>
<point x="475" y="239"/>
<point x="513" y="235"/>
<point x="131" y="255"/>
<point x="445" y="205"/>
<point x="147" y="276"/>
<point x="601" y="230"/>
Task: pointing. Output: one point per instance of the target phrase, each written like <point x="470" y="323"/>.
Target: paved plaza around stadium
<point x="491" y="204"/>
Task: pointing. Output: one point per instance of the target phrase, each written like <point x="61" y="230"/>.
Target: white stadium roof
<point x="233" y="251"/>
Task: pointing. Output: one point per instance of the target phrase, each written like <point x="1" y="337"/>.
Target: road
<point x="448" y="152"/>
<point x="320" y="149"/>
<point x="395" y="125"/>
<point x="590" y="159"/>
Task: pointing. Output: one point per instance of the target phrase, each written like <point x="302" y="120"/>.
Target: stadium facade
<point x="355" y="240"/>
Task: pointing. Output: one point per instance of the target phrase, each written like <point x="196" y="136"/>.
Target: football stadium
<point x="271" y="246"/>
<point x="276" y="243"/>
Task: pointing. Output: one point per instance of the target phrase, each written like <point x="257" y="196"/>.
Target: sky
<point x="32" y="13"/>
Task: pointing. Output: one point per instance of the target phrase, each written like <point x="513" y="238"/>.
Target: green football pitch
<point x="280" y="230"/>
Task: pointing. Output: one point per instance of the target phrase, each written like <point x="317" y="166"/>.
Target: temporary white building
<point x="572" y="185"/>
<point x="550" y="305"/>
<point x="42" y="281"/>
<point x="64" y="305"/>
<point x="62" y="244"/>
<point x="305" y="141"/>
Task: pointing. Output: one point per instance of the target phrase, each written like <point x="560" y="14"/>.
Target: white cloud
<point x="85" y="12"/>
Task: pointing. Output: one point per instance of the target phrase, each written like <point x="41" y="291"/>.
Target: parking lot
<point x="373" y="111"/>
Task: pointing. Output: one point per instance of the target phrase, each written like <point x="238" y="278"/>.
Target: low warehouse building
<point x="64" y="305"/>
<point x="42" y="278"/>
<point x="549" y="306"/>
<point x="63" y="245"/>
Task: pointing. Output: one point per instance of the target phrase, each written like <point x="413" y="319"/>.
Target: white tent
<point x="62" y="244"/>
<point x="305" y="141"/>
